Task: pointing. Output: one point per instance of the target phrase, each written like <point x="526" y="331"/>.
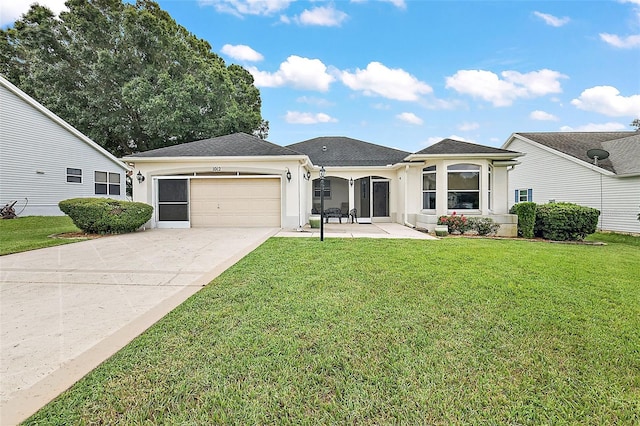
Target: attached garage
<point x="251" y="201"/>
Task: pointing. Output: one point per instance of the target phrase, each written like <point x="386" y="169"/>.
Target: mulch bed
<point x="77" y="235"/>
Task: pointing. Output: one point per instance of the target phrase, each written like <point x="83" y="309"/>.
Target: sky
<point x="408" y="73"/>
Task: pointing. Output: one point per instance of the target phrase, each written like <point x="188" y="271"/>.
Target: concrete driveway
<point x="64" y="310"/>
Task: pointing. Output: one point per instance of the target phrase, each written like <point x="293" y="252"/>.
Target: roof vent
<point x="324" y="148"/>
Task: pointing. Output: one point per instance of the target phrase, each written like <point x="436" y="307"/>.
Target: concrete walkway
<point x="358" y="230"/>
<point x="65" y="309"/>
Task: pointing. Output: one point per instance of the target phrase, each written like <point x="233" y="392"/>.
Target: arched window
<point x="429" y="188"/>
<point x="463" y="186"/>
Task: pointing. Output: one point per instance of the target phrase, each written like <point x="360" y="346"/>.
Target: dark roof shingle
<point x="452" y="146"/>
<point x="343" y="151"/>
<point x="576" y="144"/>
<point x="235" y="145"/>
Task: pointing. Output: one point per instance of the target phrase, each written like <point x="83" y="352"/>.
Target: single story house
<point x="241" y="180"/>
<point x="44" y="160"/>
<point x="562" y="166"/>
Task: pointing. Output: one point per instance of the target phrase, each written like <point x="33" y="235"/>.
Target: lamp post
<point x="322" y="175"/>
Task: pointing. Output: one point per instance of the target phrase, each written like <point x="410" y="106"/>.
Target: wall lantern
<point x="307" y="175"/>
<point x="140" y="177"/>
<point x="351" y="182"/>
<point x="288" y="174"/>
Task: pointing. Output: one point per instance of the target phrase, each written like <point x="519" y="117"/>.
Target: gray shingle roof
<point x="235" y="145"/>
<point x="343" y="151"/>
<point x="451" y="146"/>
<point x="624" y="147"/>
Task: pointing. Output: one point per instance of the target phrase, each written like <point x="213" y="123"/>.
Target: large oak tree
<point x="128" y="76"/>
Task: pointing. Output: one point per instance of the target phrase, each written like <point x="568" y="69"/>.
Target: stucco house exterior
<point x="557" y="168"/>
<point x="44" y="160"/>
<point x="241" y="180"/>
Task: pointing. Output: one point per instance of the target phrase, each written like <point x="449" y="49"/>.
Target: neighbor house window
<point x="327" y="188"/>
<point x="490" y="186"/>
<point x="107" y="183"/>
<point x="524" y="195"/>
<point x="429" y="187"/>
<point x="463" y="186"/>
<point x="74" y="175"/>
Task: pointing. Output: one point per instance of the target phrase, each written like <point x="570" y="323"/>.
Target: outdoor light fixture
<point x="351" y="182"/>
<point x="288" y="174"/>
<point x="323" y="173"/>
<point x="140" y="177"/>
<point x="307" y="175"/>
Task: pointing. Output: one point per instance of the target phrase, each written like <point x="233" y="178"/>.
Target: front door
<point x="380" y="198"/>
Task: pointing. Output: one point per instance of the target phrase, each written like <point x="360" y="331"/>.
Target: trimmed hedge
<point x="565" y="221"/>
<point x="526" y="212"/>
<point x="106" y="215"/>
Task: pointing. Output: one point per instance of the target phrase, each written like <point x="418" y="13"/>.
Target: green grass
<point x="610" y="237"/>
<point x="457" y="331"/>
<point x="32" y="232"/>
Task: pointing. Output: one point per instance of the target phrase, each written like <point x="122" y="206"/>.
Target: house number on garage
<point x="216" y="169"/>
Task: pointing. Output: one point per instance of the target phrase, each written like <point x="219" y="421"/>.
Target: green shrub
<point x="106" y="215"/>
<point x="483" y="225"/>
<point x="526" y="212"/>
<point x="565" y="221"/>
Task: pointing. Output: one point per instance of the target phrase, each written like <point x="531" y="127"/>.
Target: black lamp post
<point x="322" y="175"/>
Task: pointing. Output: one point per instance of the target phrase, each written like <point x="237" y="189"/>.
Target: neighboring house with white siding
<point x="44" y="160"/>
<point x="556" y="167"/>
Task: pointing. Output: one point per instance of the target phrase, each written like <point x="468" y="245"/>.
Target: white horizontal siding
<point x="553" y="177"/>
<point x="34" y="155"/>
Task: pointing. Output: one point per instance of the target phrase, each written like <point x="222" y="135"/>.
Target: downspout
<point x="406" y="197"/>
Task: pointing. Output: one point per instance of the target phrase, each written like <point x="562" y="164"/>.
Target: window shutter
<point x="516" y="199"/>
<point x="530" y="194"/>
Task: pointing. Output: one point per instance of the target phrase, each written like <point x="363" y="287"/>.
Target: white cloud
<point x="400" y="4"/>
<point x="466" y="127"/>
<point x="542" y="116"/>
<point x="295" y="117"/>
<point x="247" y="7"/>
<point x="378" y="80"/>
<point x="608" y="101"/>
<point x="324" y="16"/>
<point x="554" y="21"/>
<point x="296" y="72"/>
<point x="12" y="10"/>
<point x="592" y="127"/>
<point x="502" y="92"/>
<point x="410" y="118"/>
<point x="241" y="52"/>
<point x="621" y="42"/>
<point x="310" y="100"/>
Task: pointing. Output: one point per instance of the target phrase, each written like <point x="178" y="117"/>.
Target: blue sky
<point x="406" y="74"/>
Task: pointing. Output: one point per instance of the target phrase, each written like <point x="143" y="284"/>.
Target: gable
<point x="21" y="113"/>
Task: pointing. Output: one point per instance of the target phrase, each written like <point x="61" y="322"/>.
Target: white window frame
<point x="327" y="189"/>
<point x="464" y="168"/>
<point x="109" y="183"/>
<point x="72" y="176"/>
<point x="429" y="170"/>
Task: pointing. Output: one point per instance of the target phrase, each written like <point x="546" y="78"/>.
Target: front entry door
<point x="380" y="198"/>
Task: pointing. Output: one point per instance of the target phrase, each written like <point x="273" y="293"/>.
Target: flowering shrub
<point x="456" y="224"/>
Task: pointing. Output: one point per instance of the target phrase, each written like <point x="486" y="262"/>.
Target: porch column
<point x="352" y="196"/>
<point x="484" y="189"/>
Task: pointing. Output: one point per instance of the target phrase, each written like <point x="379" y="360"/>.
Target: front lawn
<point x="363" y="331"/>
<point x="34" y="232"/>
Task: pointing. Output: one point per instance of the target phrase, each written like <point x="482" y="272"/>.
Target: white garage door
<point x="235" y="202"/>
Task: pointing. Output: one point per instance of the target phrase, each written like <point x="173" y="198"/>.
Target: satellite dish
<point x="597" y="154"/>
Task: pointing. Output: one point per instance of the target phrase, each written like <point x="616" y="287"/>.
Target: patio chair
<point x="353" y="213"/>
